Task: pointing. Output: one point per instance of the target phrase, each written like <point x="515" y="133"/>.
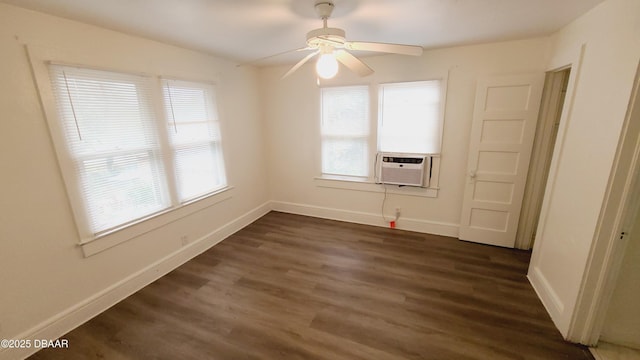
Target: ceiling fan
<point x="331" y="45"/>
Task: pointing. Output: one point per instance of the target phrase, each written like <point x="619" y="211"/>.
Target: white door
<point x="504" y="125"/>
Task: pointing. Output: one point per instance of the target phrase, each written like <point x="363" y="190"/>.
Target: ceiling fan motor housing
<point x="326" y="36"/>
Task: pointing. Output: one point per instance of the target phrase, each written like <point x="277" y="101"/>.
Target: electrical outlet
<point x="397" y="213"/>
<point x="184" y="239"/>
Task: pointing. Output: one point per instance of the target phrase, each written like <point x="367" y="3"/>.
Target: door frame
<point x="607" y="251"/>
<point x="551" y="109"/>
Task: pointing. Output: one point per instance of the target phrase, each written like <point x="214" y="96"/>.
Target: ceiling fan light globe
<point x="327" y="66"/>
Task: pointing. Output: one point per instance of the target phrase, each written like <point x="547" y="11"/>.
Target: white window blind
<point x="107" y="123"/>
<point x="194" y="133"/>
<point x="411" y="118"/>
<point x="345" y="130"/>
<point x="121" y="160"/>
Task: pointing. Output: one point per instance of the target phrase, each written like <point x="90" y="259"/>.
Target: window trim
<point x="152" y="222"/>
<point x="40" y="58"/>
<point x="372" y="187"/>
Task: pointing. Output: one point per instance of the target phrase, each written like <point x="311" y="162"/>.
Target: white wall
<point x="292" y="121"/>
<point x="43" y="273"/>
<point x="599" y="90"/>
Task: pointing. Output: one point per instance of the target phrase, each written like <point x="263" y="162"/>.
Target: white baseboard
<point x="609" y="351"/>
<point x="549" y="298"/>
<point x="619" y="340"/>
<point x="423" y="226"/>
<point x="60" y="324"/>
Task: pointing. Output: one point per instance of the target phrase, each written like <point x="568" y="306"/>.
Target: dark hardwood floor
<point x="295" y="287"/>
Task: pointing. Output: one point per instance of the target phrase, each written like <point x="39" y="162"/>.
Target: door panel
<point x="504" y="123"/>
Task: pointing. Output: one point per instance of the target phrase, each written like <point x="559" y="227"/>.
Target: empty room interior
<point x="320" y="179"/>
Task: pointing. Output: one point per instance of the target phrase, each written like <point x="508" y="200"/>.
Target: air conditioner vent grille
<point x="402" y="169"/>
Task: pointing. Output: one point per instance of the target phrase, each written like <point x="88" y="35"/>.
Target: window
<point x="410" y="117"/>
<point x="195" y="138"/>
<point x="410" y="121"/>
<point x="345" y="131"/>
<point x="121" y="164"/>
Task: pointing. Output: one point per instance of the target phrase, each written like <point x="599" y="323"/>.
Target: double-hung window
<point x="410" y="117"/>
<point x="112" y="145"/>
<point x="122" y="160"/>
<point x="345" y="131"/>
<point x="194" y="133"/>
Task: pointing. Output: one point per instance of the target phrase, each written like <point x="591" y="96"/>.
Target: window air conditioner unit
<point x="403" y="169"/>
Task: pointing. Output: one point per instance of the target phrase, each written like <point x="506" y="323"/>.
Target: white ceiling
<point x="244" y="30"/>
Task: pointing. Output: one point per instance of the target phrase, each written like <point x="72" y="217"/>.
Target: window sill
<point x="105" y="241"/>
<point x="361" y="184"/>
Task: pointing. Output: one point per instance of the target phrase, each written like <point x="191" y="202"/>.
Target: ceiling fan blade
<point x="255" y="61"/>
<point x="300" y="63"/>
<point x="385" y="48"/>
<point x="353" y="63"/>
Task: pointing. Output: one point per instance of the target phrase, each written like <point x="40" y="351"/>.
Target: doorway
<point x="553" y="98"/>
<point x="614" y="249"/>
<point x="620" y="332"/>
<point x="615" y="327"/>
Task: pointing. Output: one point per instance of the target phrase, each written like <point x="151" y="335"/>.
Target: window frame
<point x="92" y="243"/>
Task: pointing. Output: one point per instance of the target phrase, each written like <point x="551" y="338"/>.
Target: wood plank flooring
<point x="296" y="287"/>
